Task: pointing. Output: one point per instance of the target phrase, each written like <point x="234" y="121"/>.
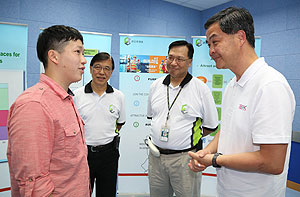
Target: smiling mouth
<point x="101" y="78"/>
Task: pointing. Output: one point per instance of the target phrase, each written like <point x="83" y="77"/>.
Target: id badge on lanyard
<point x="165" y="129"/>
<point x="164" y="135"/>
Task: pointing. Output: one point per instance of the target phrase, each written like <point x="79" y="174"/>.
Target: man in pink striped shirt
<point x="47" y="153"/>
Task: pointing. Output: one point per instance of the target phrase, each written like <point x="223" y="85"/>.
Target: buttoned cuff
<point x="41" y="186"/>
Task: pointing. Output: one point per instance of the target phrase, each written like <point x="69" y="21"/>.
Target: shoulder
<point x="268" y="74"/>
<point x="33" y="99"/>
<point x="32" y="94"/>
<point x="198" y="85"/>
<point x="158" y="82"/>
<point x="118" y="93"/>
<point x="79" y="91"/>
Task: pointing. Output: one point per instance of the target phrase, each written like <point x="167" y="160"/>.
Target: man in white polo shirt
<point x="182" y="110"/>
<point x="251" y="151"/>
<point x="102" y="108"/>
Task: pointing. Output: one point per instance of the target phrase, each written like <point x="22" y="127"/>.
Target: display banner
<point x="11" y="86"/>
<point x="13" y="58"/>
<point x="204" y="68"/>
<point x="13" y="46"/>
<point x="93" y="43"/>
<point x="142" y="61"/>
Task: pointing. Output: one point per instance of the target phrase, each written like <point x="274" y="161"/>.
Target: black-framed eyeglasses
<point x="104" y="68"/>
<point x="177" y="59"/>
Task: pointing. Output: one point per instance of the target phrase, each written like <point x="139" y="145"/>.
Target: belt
<point x="100" y="148"/>
<point x="169" y="151"/>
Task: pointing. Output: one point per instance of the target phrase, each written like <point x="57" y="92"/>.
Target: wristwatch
<point x="214" y="160"/>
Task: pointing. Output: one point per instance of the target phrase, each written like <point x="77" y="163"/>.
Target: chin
<point x="78" y="79"/>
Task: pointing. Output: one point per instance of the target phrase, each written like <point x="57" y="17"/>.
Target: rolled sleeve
<point x="30" y="141"/>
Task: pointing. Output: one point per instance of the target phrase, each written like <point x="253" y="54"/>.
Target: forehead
<point x="214" y="31"/>
<point x="107" y="62"/>
<point x="71" y="45"/>
<point x="179" y="51"/>
<point x="74" y="43"/>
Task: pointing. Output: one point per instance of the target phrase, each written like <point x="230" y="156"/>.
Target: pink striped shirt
<point x="46" y="151"/>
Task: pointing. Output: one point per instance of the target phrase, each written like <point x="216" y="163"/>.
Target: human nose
<point x="83" y="60"/>
<point x="101" y="70"/>
<point x="211" y="51"/>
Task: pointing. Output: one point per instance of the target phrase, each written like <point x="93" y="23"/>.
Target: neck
<point x="244" y="63"/>
<point x="176" y="81"/>
<point x="57" y="79"/>
<point x="99" y="89"/>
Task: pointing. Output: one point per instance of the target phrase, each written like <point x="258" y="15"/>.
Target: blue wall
<point x="294" y="172"/>
<point x="154" y="17"/>
<point x="278" y="24"/>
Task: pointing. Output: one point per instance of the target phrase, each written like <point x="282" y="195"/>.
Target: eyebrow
<point x="211" y="37"/>
<point x="101" y="66"/>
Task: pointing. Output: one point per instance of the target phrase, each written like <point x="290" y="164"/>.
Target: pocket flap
<point x="72" y="130"/>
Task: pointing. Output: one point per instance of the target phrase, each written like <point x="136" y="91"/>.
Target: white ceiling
<point x="198" y="4"/>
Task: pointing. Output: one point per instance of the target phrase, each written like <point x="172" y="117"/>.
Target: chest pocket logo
<point x="111" y="108"/>
<point x="184" y="109"/>
<point x="243" y="107"/>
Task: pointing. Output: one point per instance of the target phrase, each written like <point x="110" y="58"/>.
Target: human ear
<point x="53" y="56"/>
<point x="241" y="35"/>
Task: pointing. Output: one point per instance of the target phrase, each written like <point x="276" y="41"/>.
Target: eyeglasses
<point x="99" y="68"/>
<point x="179" y="60"/>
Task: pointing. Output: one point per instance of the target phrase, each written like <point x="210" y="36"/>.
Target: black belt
<point x="100" y="148"/>
<point x="168" y="151"/>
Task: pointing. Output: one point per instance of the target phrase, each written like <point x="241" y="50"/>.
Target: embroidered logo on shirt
<point x="184" y="109"/>
<point x="243" y="107"/>
<point x="111" y="109"/>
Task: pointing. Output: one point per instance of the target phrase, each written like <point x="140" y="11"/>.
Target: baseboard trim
<point x="293" y="185"/>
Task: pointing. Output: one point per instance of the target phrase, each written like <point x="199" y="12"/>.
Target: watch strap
<point x="214" y="160"/>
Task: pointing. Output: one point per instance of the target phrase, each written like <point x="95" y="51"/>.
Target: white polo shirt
<point x="100" y="113"/>
<point x="258" y="109"/>
<point x="193" y="109"/>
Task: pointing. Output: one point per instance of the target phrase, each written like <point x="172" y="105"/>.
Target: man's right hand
<point x="197" y="163"/>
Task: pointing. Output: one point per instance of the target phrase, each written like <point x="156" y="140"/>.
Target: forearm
<point x="263" y="161"/>
<point x="212" y="147"/>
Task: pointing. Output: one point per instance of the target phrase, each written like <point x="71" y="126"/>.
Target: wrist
<point x="214" y="160"/>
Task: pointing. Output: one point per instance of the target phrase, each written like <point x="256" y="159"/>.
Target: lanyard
<point x="168" y="97"/>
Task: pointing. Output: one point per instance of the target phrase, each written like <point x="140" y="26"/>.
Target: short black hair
<point x="183" y="43"/>
<point x="101" y="57"/>
<point x="233" y="19"/>
<point x="55" y="38"/>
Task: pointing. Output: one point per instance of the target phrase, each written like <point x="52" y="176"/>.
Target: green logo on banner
<point x="127" y="40"/>
<point x="198" y="42"/>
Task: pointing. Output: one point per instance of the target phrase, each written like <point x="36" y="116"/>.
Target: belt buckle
<point x="92" y="149"/>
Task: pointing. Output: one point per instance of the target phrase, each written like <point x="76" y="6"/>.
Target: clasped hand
<point x="200" y="160"/>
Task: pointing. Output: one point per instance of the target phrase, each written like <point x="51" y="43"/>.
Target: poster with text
<point x="142" y="61"/>
<point x="13" y="58"/>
